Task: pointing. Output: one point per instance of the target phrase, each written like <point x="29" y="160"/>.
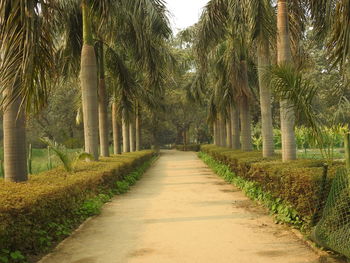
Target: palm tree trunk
<point x="222" y="131"/>
<point x="236" y="145"/>
<point x="215" y="133"/>
<point x="116" y="130"/>
<point x="228" y="133"/>
<point x="15" y="161"/>
<point x="265" y="98"/>
<point x="102" y="107"/>
<point x="245" y="114"/>
<point x="138" y="130"/>
<point x="246" y="133"/>
<point x="88" y="79"/>
<point x="132" y="134"/>
<point x="125" y="127"/>
<point x="284" y="56"/>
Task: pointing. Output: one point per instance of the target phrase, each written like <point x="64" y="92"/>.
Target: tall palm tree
<point x="132" y="135"/>
<point x="261" y="20"/>
<point x="27" y="55"/>
<point x="222" y="24"/>
<point x="284" y="57"/>
<point x="234" y="115"/>
<point x="116" y="129"/>
<point x="138" y="128"/>
<point x="88" y="80"/>
<point x="102" y="103"/>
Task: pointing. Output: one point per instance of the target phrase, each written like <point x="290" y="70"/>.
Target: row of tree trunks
<point x="130" y="137"/>
<point x="235" y="130"/>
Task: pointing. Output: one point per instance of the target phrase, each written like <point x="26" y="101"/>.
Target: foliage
<point x="283" y="211"/>
<point x="42" y="211"/>
<point x="188" y="147"/>
<point x="297" y="183"/>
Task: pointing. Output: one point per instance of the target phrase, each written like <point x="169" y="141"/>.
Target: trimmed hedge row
<point x="188" y="147"/>
<point x="297" y="182"/>
<point x="32" y="212"/>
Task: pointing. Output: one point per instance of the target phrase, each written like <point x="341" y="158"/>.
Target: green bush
<point x="35" y="214"/>
<point x="188" y="147"/>
<point x="296" y="182"/>
<point x="73" y="143"/>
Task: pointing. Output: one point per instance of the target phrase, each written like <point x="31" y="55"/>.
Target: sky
<point x="184" y="13"/>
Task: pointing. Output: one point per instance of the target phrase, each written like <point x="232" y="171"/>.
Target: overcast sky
<point x="184" y="13"/>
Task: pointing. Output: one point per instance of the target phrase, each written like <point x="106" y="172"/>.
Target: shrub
<point x="32" y="213"/>
<point x="188" y="147"/>
<point x="296" y="182"/>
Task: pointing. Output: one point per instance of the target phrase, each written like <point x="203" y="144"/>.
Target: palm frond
<point x="27" y="65"/>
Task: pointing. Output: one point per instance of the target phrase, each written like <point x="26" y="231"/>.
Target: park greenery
<point x="86" y="82"/>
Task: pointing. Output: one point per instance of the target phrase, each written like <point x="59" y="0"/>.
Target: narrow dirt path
<point x="181" y="212"/>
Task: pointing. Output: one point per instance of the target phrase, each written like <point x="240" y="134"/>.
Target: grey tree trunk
<point x="138" y="130"/>
<point x="284" y="56"/>
<point x="265" y="98"/>
<point x="236" y="145"/>
<point x="246" y="133"/>
<point x="228" y="133"/>
<point x="215" y="133"/>
<point x="125" y="128"/>
<point x="103" y="119"/>
<point x="222" y="131"/>
<point x="132" y="134"/>
<point x="116" y="130"/>
<point x="218" y="131"/>
<point x="88" y="80"/>
<point x="102" y="106"/>
<point x="15" y="156"/>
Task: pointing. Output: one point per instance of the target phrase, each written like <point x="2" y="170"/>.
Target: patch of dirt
<point x="219" y="183"/>
<point x="141" y="252"/>
<point x="229" y="190"/>
<point x="86" y="260"/>
<point x="250" y="206"/>
<point x="271" y="253"/>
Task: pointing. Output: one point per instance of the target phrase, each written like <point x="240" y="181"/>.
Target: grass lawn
<point x="40" y="159"/>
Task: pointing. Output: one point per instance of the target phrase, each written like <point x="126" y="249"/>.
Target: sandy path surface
<point x="181" y="212"/>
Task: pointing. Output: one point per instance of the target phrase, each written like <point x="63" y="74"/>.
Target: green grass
<point x="316" y="154"/>
<point x="40" y="159"/>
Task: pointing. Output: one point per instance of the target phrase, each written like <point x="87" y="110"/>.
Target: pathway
<point x="180" y="212"/>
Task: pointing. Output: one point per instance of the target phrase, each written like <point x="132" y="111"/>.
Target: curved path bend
<point x="181" y="212"/>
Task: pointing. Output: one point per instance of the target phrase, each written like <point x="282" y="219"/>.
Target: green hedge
<point x="188" y="147"/>
<point x="35" y="214"/>
<point x="296" y="182"/>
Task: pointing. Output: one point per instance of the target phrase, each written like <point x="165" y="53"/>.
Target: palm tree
<point x="222" y="26"/>
<point x="102" y="103"/>
<point x="116" y="129"/>
<point x="284" y="57"/>
<point x="132" y="135"/>
<point x="261" y="19"/>
<point x="138" y="128"/>
<point x="88" y="80"/>
<point x="234" y="115"/>
<point x="27" y="53"/>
